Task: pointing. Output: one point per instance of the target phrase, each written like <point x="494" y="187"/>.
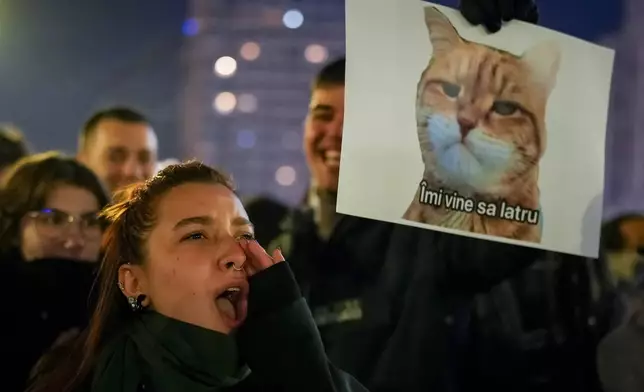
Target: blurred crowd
<point x="396" y="307"/>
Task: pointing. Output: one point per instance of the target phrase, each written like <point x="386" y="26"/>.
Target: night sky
<point x="62" y="59"/>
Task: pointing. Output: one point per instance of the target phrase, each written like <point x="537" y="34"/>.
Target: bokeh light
<point x="293" y="19"/>
<point x="272" y="17"/>
<point x="247" y="103"/>
<point x="225" y="66"/>
<point x="246" y="139"/>
<point x="250" y="51"/>
<point x="225" y="102"/>
<point x="190" y="27"/>
<point x="285" y="176"/>
<point x="316" y="54"/>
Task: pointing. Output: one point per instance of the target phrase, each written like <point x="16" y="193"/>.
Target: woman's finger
<point x="250" y="271"/>
<point x="278" y="257"/>
<point x="256" y="255"/>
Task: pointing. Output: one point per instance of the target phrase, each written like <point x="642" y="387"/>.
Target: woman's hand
<point x="256" y="257"/>
<point x="492" y="13"/>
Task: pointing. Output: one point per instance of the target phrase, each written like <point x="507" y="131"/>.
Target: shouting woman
<point x="189" y="301"/>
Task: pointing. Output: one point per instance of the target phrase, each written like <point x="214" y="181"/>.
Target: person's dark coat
<point x="621" y="357"/>
<point x="388" y="299"/>
<point x="539" y="330"/>
<point x="277" y="349"/>
<point x="44" y="301"/>
<point x="266" y="215"/>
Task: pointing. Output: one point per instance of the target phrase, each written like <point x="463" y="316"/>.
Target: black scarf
<point x="171" y="355"/>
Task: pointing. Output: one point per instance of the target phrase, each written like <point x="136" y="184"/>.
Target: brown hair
<point x="28" y="183"/>
<point x="119" y="113"/>
<point x="131" y="218"/>
<point x="331" y="75"/>
<point x="12" y="146"/>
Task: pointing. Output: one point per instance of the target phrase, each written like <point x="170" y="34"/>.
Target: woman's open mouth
<point x="232" y="304"/>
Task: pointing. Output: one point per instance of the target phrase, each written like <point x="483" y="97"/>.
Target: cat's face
<point x="480" y="111"/>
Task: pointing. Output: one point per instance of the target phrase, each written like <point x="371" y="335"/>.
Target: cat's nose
<point x="466" y="124"/>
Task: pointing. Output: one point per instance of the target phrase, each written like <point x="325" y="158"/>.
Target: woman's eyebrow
<point x="241" y="221"/>
<point x="200" y="220"/>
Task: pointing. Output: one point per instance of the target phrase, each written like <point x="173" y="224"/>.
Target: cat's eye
<point x="505" y="108"/>
<point x="450" y="89"/>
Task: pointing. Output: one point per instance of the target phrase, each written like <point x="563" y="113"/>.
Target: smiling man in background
<point x="120" y="146"/>
<point x="323" y="141"/>
<point x="388" y="299"/>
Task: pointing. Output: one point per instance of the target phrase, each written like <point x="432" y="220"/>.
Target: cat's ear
<point x="544" y="60"/>
<point x="442" y="33"/>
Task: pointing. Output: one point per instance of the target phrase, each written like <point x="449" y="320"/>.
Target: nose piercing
<point x="241" y="267"/>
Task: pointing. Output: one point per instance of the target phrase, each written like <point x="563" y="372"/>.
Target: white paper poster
<point x="497" y="136"/>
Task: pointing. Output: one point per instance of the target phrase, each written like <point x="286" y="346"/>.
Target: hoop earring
<point x="137" y="303"/>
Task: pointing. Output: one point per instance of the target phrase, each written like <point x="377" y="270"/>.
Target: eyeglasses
<point x="51" y="222"/>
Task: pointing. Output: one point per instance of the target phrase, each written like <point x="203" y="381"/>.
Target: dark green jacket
<point x="277" y="349"/>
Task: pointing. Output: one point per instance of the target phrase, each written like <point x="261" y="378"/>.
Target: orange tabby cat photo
<point x="480" y="115"/>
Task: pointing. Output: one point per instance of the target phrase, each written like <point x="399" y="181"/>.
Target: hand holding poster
<point x="510" y="126"/>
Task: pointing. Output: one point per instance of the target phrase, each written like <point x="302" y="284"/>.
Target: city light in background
<point x="316" y="54"/>
<point x="190" y="27"/>
<point x="225" y="102"/>
<point x="262" y="62"/>
<point x="247" y="103"/>
<point x="225" y="66"/>
<point x="293" y="19"/>
<point x="246" y="139"/>
<point x="250" y="51"/>
<point x="286" y="176"/>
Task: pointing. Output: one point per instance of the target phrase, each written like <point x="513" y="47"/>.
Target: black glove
<point x="492" y="13"/>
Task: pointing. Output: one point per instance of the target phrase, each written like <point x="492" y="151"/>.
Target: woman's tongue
<point x="226" y="307"/>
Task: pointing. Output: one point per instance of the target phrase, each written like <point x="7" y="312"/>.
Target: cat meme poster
<point x="496" y="136"/>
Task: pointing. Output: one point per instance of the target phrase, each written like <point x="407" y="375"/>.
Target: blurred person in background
<point x="389" y="299"/>
<point x="621" y="353"/>
<point x="267" y="215"/>
<point x="189" y="301"/>
<point x="539" y="330"/>
<point x="12" y="147"/>
<point x="120" y="146"/>
<point x="623" y="246"/>
<point x="50" y="237"/>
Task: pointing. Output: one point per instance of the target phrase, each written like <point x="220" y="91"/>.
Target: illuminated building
<point x="248" y="68"/>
